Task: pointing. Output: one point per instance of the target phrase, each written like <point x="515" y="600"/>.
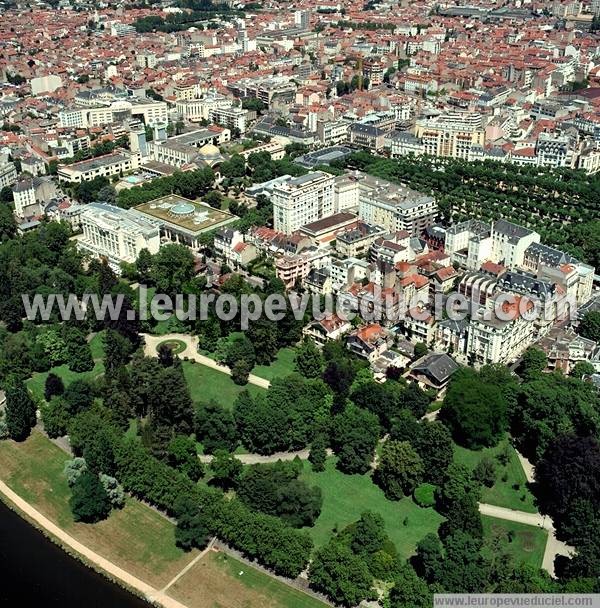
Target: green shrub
<point x="424" y="495"/>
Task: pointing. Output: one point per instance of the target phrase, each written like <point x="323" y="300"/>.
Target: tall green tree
<point x="340" y="574"/>
<point x="400" y="469"/>
<point x="474" y="410"/>
<point x="20" y="410"/>
<point x="309" y="360"/>
<point x="89" y="501"/>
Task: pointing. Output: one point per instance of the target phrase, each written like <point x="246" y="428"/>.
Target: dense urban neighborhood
<point x="300" y="300"/>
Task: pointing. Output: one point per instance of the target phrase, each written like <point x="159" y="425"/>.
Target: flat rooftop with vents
<point x="183" y="220"/>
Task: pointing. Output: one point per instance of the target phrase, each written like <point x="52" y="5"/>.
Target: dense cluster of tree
<point x="476" y="405"/>
<point x="275" y="489"/>
<point x="287" y="417"/>
<point x="189" y="184"/>
<point x="194" y="16"/>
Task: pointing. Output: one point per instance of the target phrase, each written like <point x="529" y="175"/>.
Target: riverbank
<point x="39" y="570"/>
<point x="89" y="557"/>
<point x="135" y="547"/>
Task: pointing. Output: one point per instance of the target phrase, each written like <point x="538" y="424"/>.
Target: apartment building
<point x="295" y="267"/>
<point x="368" y="137"/>
<point x="148" y="110"/>
<point x="231" y="246"/>
<point x="101" y="166"/>
<point x="116" y="234"/>
<point x="451" y="134"/>
<point x="395" y="207"/>
<point x="302" y="200"/>
<point x="30" y="196"/>
<point x="232" y="118"/>
<point x="275" y="150"/>
<point x="469" y="243"/>
<point x="332" y="132"/>
<point x="496" y="340"/>
<point x="8" y="174"/>
<point x="199" y="109"/>
<point x="509" y="243"/>
<point x="357" y="241"/>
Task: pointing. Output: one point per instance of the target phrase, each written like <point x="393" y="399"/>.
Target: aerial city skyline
<point x="300" y="303"/>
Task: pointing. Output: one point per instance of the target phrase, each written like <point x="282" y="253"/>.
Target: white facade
<point x="509" y="242"/>
<point x="45" y="84"/>
<point x="150" y="111"/>
<point x="497" y="341"/>
<point x="101" y="166"/>
<point x="115" y="233"/>
<point x="24" y="197"/>
<point x="232" y="118"/>
<point x="302" y="200"/>
<point x="8" y="174"/>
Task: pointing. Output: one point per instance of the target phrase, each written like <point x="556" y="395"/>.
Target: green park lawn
<point x="345" y="497"/>
<point x="282" y="366"/>
<point x="38" y="379"/>
<point x="136" y="538"/>
<point x="502" y="493"/>
<point x="527" y="545"/>
<point x="227" y="582"/>
<point x="97" y="345"/>
<point x="207" y="384"/>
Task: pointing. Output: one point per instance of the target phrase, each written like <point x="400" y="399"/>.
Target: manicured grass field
<point x="220" y="581"/>
<point x="207" y="384"/>
<point x="502" y="493"/>
<point x="528" y="543"/>
<point x="282" y="366"/>
<point x="136" y="538"/>
<point x="37" y="381"/>
<point x="345" y="497"/>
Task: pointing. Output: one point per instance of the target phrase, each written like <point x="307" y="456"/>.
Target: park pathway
<point x="260" y="459"/>
<point x="191" y="352"/>
<point x="185" y="570"/>
<point x="522" y="517"/>
<point x="114" y="571"/>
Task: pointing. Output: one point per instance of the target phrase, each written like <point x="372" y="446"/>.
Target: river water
<point x="34" y="573"/>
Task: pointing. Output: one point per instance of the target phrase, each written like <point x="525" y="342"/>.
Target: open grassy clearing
<point x="221" y="581"/>
<point x="37" y="381"/>
<point x="97" y="345"/>
<point x="510" y="489"/>
<point x="282" y="366"/>
<point x="136" y="538"/>
<point x="345" y="497"/>
<point x="208" y="384"/>
<point x="524" y="543"/>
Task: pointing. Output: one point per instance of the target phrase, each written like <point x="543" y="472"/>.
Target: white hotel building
<point x="150" y="111"/>
<point x="101" y="166"/>
<point x="115" y="233"/>
<point x="302" y="200"/>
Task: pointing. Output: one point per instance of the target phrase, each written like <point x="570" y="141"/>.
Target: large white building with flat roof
<point x="101" y="166"/>
<point x="393" y="206"/>
<point x="116" y="234"/>
<point x="150" y="111"/>
<point x="302" y="200"/>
